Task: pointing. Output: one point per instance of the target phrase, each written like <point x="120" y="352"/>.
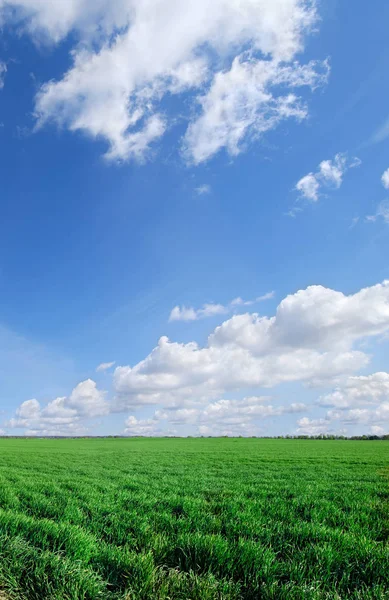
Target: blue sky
<point x="157" y="157"/>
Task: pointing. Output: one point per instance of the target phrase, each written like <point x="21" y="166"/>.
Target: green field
<point x="194" y="519"/>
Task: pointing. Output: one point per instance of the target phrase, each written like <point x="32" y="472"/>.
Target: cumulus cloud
<point x="239" y="429"/>
<point x="183" y="313"/>
<point x="62" y="416"/>
<point x="310" y="338"/>
<point x="308" y="426"/>
<point x="104" y="366"/>
<point x="366" y="416"/>
<point x="56" y="417"/>
<point x="316" y="317"/>
<point x="234" y="411"/>
<point x="88" y="400"/>
<point x="238" y="58"/>
<point x="359" y="391"/>
<point x="385" y="179"/>
<point x="330" y="174"/>
<point x="361" y="400"/>
<point x="147" y="427"/>
<point x="223" y="417"/>
<point x="377" y="430"/>
<point x="308" y="186"/>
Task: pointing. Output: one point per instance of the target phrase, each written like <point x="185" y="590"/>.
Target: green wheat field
<point x="194" y="519"/>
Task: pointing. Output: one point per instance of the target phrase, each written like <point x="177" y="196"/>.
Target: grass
<point x="194" y="519"/>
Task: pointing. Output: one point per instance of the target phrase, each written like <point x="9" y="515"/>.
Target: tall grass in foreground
<point x="194" y="519"/>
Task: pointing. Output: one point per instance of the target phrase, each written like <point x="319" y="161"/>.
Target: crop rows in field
<point x="194" y="519"/>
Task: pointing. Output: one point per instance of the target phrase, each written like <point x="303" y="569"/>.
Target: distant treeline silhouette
<point x="257" y="437"/>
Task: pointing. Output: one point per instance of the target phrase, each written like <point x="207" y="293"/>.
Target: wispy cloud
<point x="329" y="175"/>
<point x="203" y="189"/>
<point x="243" y="100"/>
<point x="183" y="313"/>
<point x="104" y="366"/>
<point x="381" y="133"/>
<point x="381" y="213"/>
<point x="354" y="222"/>
<point x="240" y="302"/>
<point x="3" y="70"/>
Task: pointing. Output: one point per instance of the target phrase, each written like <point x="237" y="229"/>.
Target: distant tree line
<point x="321" y="436"/>
<point x="340" y="437"/>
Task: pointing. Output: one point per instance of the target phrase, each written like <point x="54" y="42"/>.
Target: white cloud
<point x="223" y="417"/>
<point x="30" y="409"/>
<point x="361" y="400"/>
<point x="147" y="427"/>
<point x="366" y="416"/>
<point x="238" y="57"/>
<point x="330" y="173"/>
<point x="203" y="189"/>
<point x="377" y="430"/>
<point x="55" y="416"/>
<point x="275" y="28"/>
<point x="310" y="339"/>
<point x="105" y="366"/>
<point x="62" y="416"/>
<point x="381" y="213"/>
<point x="238" y="429"/>
<point x="242" y="103"/>
<point x="308" y="426"/>
<point x="309" y="187"/>
<point x="253" y="407"/>
<point x="385" y="179"/>
<point x="51" y="22"/>
<point x="316" y="318"/>
<point x="183" y="313"/>
<point x="359" y="391"/>
<point x="240" y="302"/>
<point x="88" y="400"/>
<point x="320" y="426"/>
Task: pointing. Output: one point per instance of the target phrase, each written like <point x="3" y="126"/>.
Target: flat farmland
<point x="194" y="519"/>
